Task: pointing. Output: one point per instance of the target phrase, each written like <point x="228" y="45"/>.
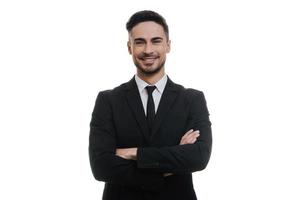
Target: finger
<point x="187" y="133"/>
<point x="167" y="174"/>
<point x="184" y="141"/>
<point x="192" y="135"/>
<point x="191" y="130"/>
<point x="195" y="134"/>
<point x="192" y="141"/>
<point x="189" y="139"/>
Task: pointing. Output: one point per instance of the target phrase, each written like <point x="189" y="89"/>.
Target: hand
<point x="168" y="174"/>
<point x="127" y="153"/>
<point x="190" y="137"/>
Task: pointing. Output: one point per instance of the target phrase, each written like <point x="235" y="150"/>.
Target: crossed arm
<point x="146" y="167"/>
<point x="131" y="153"/>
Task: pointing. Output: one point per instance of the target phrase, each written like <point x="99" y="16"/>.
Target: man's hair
<point x="147" y="15"/>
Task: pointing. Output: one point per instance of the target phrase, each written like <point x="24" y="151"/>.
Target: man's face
<point x="148" y="46"/>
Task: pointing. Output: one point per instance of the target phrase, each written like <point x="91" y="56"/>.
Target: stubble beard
<point x="151" y="72"/>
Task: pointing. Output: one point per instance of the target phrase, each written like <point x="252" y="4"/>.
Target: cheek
<point x="137" y="52"/>
<point x="168" y="50"/>
<point x="163" y="50"/>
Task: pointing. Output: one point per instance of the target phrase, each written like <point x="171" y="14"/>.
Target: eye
<point x="139" y="42"/>
<point x="157" y="41"/>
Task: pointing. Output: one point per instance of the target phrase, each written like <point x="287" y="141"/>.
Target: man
<point x="148" y="135"/>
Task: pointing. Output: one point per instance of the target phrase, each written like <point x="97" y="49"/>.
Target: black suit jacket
<point x="119" y="121"/>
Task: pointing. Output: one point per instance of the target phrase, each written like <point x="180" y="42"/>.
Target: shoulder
<point x="113" y="94"/>
<point x="192" y="92"/>
<point x="116" y="90"/>
<point x="185" y="91"/>
<point x="193" y="96"/>
<point x="189" y="92"/>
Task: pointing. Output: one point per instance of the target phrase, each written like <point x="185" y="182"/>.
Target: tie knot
<point x="150" y="89"/>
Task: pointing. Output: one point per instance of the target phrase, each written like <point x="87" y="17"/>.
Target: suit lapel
<point x="135" y="103"/>
<point x="166" y="102"/>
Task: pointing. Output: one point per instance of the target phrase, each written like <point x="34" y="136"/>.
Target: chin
<point x="149" y="70"/>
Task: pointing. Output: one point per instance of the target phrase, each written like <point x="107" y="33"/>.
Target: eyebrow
<point x="139" y="39"/>
<point x="157" y="38"/>
<point x="142" y="39"/>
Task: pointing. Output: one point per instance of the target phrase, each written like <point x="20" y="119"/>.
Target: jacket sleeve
<point x="108" y="167"/>
<point x="182" y="158"/>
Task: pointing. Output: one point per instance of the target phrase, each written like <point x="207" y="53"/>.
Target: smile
<point x="148" y="61"/>
<point x="149" y="58"/>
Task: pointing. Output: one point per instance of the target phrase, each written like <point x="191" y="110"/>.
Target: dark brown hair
<point x="147" y="15"/>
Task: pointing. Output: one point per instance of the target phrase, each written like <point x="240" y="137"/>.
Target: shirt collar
<point x="160" y="85"/>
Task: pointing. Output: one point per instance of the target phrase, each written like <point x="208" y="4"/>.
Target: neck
<point x="153" y="78"/>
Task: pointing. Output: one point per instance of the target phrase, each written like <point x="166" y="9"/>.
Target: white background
<point x="55" y="56"/>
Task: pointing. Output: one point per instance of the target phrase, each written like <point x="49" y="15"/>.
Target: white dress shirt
<point x="157" y="93"/>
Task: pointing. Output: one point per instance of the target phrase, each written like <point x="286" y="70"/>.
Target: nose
<point x="148" y="48"/>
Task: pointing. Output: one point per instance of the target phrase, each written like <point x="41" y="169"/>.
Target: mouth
<point x="148" y="60"/>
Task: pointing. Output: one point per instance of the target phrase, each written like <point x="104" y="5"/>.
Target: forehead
<point x="147" y="29"/>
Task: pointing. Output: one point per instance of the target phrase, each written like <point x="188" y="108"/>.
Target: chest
<point x="130" y="129"/>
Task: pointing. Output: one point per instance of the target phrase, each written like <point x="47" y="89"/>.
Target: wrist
<point x="133" y="153"/>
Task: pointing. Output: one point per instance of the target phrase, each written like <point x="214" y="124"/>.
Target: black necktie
<point x="150" y="106"/>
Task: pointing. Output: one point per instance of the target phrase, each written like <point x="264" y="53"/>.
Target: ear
<point x="129" y="48"/>
<point x="168" y="46"/>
